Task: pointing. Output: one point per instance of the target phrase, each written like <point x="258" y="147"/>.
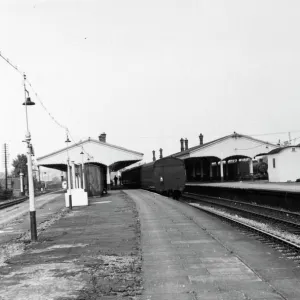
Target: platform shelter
<point x="90" y="163"/>
<point x="228" y="158"/>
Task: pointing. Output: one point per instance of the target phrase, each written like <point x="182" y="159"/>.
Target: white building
<point x="226" y="158"/>
<point x="91" y="163"/>
<point x="284" y="164"/>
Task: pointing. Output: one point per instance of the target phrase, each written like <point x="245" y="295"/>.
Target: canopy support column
<point x="227" y="170"/>
<point x="194" y="171"/>
<point x="251" y="167"/>
<point x="78" y="181"/>
<point x="108" y="178"/>
<point x="83" y="177"/>
<point x="73" y="174"/>
<point x="221" y="170"/>
<point x="39" y="172"/>
<point x="201" y="168"/>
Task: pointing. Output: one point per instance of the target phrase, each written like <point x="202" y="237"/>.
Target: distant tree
<point x="20" y="165"/>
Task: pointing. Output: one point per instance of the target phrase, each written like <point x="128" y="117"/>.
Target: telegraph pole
<point x="5" y="162"/>
<point x="5" y="159"/>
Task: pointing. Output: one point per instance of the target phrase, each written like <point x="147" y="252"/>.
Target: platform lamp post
<point x="69" y="174"/>
<point x="32" y="212"/>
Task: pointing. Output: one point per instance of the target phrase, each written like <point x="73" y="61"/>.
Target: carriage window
<point x="274" y="163"/>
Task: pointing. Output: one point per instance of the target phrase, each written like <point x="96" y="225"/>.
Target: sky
<point x="149" y="72"/>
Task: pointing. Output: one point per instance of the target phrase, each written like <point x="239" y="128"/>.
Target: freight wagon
<point x="166" y="176"/>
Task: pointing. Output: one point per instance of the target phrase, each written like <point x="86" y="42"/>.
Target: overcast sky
<point x="149" y="72"/>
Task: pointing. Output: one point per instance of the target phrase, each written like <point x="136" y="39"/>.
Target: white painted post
<point x="79" y="181"/>
<point x="227" y="169"/>
<point x="251" y="166"/>
<point x="69" y="184"/>
<point x="21" y="183"/>
<point x="221" y="170"/>
<point x="69" y="176"/>
<point x="238" y="167"/>
<point x="73" y="175"/>
<point x="83" y="179"/>
<point x="108" y="178"/>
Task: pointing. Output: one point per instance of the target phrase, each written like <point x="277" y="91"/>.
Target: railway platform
<point x="137" y="245"/>
<point x="189" y="255"/>
<point x="282" y="195"/>
<point x="90" y="252"/>
<point x="293" y="187"/>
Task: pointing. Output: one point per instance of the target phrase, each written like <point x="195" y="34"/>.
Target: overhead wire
<point x="44" y="107"/>
<point x="66" y="128"/>
<point x="11" y="64"/>
<point x="274" y="133"/>
<point x="41" y="102"/>
<point x="78" y="145"/>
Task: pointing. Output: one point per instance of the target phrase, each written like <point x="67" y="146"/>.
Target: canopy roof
<point x="233" y="145"/>
<point x="96" y="151"/>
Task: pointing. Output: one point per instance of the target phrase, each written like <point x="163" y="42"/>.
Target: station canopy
<point x="98" y="152"/>
<point x="228" y="147"/>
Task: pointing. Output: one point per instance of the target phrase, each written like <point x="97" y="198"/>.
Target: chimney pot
<point x="181" y="144"/>
<point x="201" y="138"/>
<point x="102" y="137"/>
<point x="154" y="159"/>
<point x="186" y="144"/>
<point x="160" y="153"/>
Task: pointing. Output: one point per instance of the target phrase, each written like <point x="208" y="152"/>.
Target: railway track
<point x="12" y="202"/>
<point x="287" y="220"/>
<point x="9" y="203"/>
<point x="285" y="243"/>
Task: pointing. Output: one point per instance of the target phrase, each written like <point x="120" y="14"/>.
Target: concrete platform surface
<point x="89" y="253"/>
<point x="94" y="252"/>
<point x="189" y="255"/>
<point x="259" y="185"/>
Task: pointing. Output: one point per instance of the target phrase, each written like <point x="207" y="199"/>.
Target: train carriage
<point x="132" y="178"/>
<point x="165" y="176"/>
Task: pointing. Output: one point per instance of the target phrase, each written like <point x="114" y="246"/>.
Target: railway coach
<point x="166" y="176"/>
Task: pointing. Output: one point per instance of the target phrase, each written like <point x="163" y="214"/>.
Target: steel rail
<point x="272" y="218"/>
<point x="247" y="226"/>
<point x="23" y="199"/>
<point x="295" y="214"/>
<point x="12" y="203"/>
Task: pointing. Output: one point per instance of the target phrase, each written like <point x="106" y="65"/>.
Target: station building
<point x="91" y="162"/>
<point x="284" y="164"/>
<point x="228" y="158"/>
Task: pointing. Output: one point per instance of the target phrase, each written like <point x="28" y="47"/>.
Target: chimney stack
<point x="160" y="153"/>
<point x="181" y="144"/>
<point x="201" y="138"/>
<point x="154" y="159"/>
<point x="186" y="144"/>
<point x="102" y="137"/>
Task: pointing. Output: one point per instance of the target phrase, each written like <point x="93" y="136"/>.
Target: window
<point x="293" y="149"/>
<point x="274" y="163"/>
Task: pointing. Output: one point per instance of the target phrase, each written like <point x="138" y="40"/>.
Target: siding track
<point x="281" y="221"/>
<point x="12" y="202"/>
<point x="9" y="203"/>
